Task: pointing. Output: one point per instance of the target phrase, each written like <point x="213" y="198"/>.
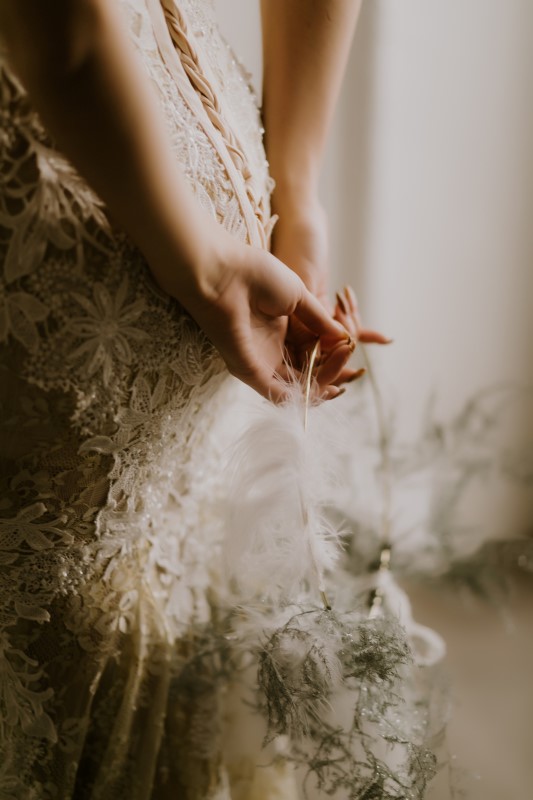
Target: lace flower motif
<point x="28" y="528"/>
<point x="106" y="329"/>
<point x="19" y="312"/>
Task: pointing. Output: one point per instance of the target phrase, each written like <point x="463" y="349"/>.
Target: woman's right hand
<point x="242" y="297"/>
<point x="85" y="79"/>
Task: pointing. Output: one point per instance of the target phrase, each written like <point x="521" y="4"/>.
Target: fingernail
<point x="348" y="342"/>
<point x="351" y="294"/>
<point x="330" y="393"/>
<point x="356" y="375"/>
<point x="342" y="304"/>
<point x="339" y="393"/>
<point x="388" y="341"/>
<point x="340" y="328"/>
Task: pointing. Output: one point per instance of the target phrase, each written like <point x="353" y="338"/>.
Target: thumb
<point x="316" y="318"/>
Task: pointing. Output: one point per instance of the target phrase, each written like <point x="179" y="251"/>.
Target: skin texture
<point x="305" y="50"/>
<point x="82" y="75"/>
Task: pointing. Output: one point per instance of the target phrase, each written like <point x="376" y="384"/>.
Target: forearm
<point x="305" y="46"/>
<point x="83" y="77"/>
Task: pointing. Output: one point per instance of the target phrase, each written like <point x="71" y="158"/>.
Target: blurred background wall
<point x="429" y="186"/>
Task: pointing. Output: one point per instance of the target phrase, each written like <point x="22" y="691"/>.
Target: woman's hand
<point x="347" y="313"/>
<point x="300" y="240"/>
<point x="242" y="298"/>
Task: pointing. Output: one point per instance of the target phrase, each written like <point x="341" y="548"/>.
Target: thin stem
<point x="309" y="380"/>
<point x="384" y="447"/>
<point x="305" y="518"/>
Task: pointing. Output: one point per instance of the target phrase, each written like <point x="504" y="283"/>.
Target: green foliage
<point x="318" y="658"/>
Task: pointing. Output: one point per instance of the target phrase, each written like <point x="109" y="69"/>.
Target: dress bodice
<point x="108" y="389"/>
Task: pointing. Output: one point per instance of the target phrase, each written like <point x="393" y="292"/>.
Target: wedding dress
<point x="108" y="467"/>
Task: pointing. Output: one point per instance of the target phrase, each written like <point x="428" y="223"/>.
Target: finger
<point x="342" y="304"/>
<point x="329" y="370"/>
<point x="299" y="340"/>
<point x="346" y="319"/>
<point x="290" y="375"/>
<point x="271" y="387"/>
<point x="348" y="375"/>
<point x="327" y="305"/>
<point x="278" y="391"/>
<point x="314" y="316"/>
<point x="351" y="300"/>
<point x="348" y="302"/>
<point x="332" y="392"/>
<point x="262" y="379"/>
<point x="373" y="337"/>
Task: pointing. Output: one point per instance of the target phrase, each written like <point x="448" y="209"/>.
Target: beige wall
<point x="443" y="165"/>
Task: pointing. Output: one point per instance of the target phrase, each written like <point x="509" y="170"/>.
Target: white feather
<point x="280" y="477"/>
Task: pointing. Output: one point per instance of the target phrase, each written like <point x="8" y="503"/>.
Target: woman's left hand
<point x="300" y="240"/>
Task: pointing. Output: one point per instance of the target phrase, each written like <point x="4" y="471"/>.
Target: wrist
<point x="193" y="268"/>
<point x="293" y="191"/>
<point x="302" y="208"/>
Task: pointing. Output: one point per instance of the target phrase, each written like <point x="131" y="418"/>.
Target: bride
<point x="135" y="224"/>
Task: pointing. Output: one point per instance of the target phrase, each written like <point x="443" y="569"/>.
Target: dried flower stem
<point x="307" y="400"/>
<point x="375" y="600"/>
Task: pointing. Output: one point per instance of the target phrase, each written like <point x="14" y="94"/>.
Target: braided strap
<point x="190" y="61"/>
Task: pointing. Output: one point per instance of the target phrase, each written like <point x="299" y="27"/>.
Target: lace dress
<point x="109" y="396"/>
